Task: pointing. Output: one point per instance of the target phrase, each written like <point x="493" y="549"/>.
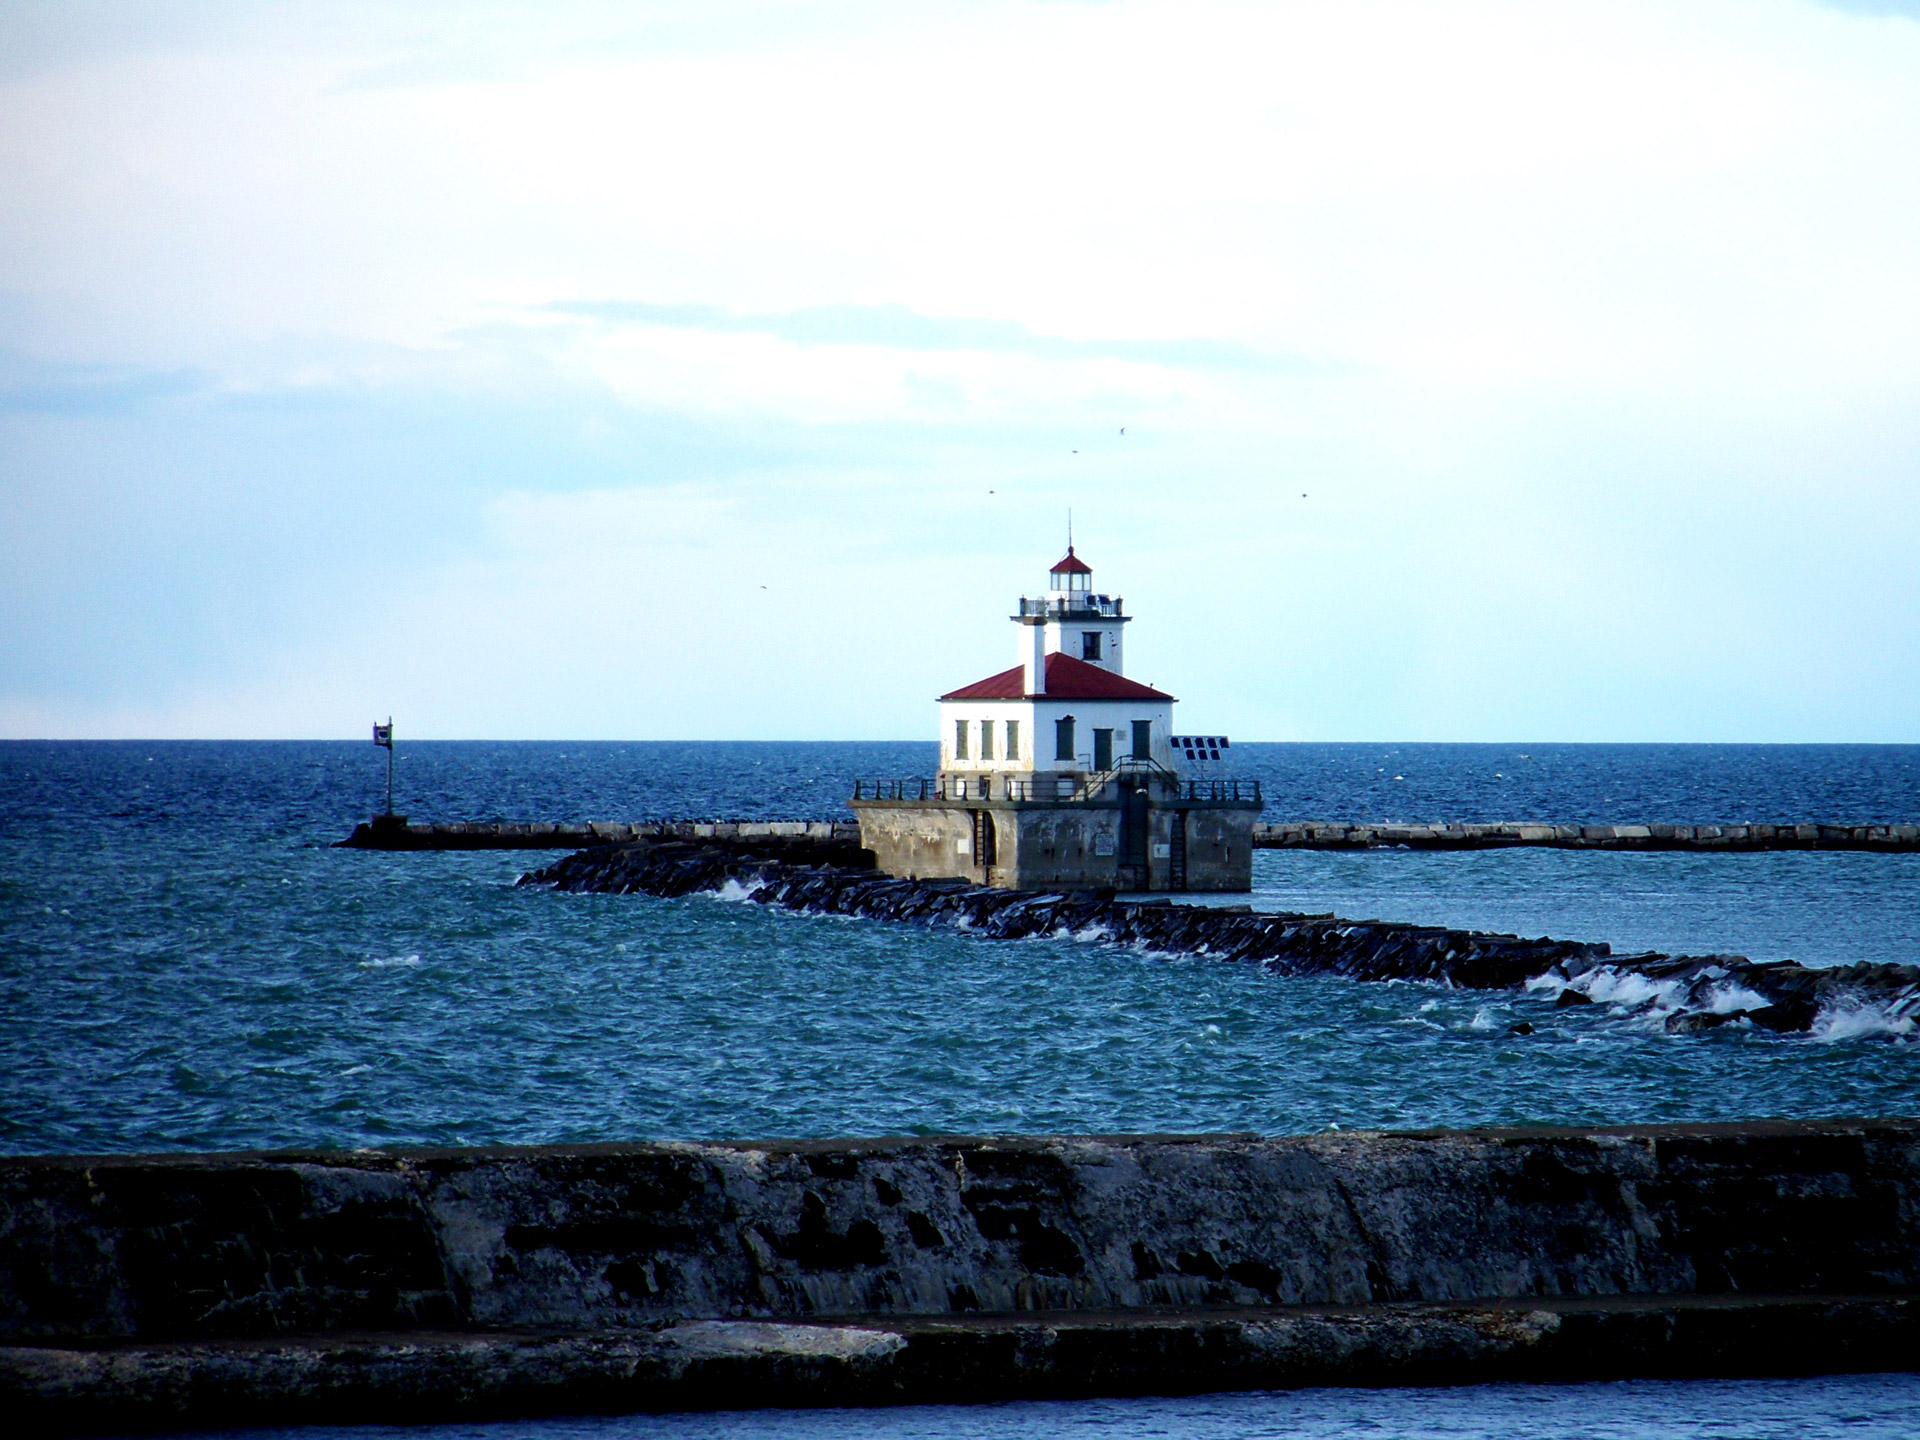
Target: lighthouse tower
<point x="1062" y="773"/>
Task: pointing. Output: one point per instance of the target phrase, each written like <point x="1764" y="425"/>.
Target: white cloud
<point x="1575" y="303"/>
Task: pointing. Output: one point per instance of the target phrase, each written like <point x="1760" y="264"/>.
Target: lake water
<point x="187" y="964"/>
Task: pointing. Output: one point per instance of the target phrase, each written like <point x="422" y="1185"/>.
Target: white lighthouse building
<point x="1065" y="712"/>
<point x="1061" y="773"/>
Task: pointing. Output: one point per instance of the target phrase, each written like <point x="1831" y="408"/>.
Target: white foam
<point x="1854" y="1020"/>
<point x="1628" y="988"/>
<point x="733" y="892"/>
<point x="392" y="962"/>
<point x="1092" y="934"/>
<point x="356" y="1070"/>
<point x="1483" y="1019"/>
<point x="1725" y="999"/>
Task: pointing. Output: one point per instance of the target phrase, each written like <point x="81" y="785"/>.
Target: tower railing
<point x="1070" y="603"/>
<point x="1055" y="789"/>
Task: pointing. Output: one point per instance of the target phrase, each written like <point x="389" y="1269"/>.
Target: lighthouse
<point x="1060" y="772"/>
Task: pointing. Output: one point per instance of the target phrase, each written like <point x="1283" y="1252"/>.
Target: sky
<point x="1416" y="371"/>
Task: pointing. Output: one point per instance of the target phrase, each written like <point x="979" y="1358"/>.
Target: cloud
<point x="1906" y="9"/>
<point x="896" y="327"/>
<point x="1484" y="368"/>
<point x="92" y="389"/>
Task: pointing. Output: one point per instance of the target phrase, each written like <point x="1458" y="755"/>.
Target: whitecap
<point x="392" y="962"/>
<point x="733" y="892"/>
<point x="356" y="1070"/>
<point x="1482" y="1019"/>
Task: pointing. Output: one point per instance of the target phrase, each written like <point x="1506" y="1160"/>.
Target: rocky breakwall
<point x="1683" y="992"/>
<point x="144" y="1292"/>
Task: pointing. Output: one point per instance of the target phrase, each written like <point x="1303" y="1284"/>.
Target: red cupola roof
<point x="1072" y="565"/>
<point x="1067" y="679"/>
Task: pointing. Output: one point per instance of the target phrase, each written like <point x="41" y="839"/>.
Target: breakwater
<point x="148" y="1292"/>
<point x="1686" y="992"/>
<point x="399" y="834"/>
<point x="1314" y="835"/>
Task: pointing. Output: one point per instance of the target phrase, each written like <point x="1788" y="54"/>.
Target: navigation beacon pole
<point x="383" y="735"/>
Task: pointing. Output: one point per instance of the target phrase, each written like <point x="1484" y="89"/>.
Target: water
<point x="185" y="964"/>
<point x="1839" y="1407"/>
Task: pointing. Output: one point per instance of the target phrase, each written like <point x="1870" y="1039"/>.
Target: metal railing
<point x="1057" y="788"/>
<point x="1071" y="603"/>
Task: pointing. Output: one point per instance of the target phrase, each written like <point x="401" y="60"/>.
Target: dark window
<point x="1089" y="644"/>
<point x="1143" y="739"/>
<point x="1103" y="749"/>
<point x="1063" y="738"/>
<point x="986" y="739"/>
<point x="959" y="739"/>
<point x="1013" y="739"/>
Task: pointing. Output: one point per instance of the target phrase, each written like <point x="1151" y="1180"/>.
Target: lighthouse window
<point x="1143" y="739"/>
<point x="959" y="739"/>
<point x="1090" y="645"/>
<point x="1063" y="738"/>
<point x="986" y="739"/>
<point x="1103" y="749"/>
<point x="1013" y="739"/>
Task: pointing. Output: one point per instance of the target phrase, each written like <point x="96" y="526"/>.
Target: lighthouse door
<point x="1133" y="835"/>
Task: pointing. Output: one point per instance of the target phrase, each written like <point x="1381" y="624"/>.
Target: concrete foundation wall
<point x="1057" y="847"/>
<point x="920" y="842"/>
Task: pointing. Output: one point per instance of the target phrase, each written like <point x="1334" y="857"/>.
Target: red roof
<point x="1067" y="679"/>
<point x="1072" y="565"/>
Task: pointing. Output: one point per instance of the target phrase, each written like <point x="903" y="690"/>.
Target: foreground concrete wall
<point x="141" y="1291"/>
<point x="256" y="1245"/>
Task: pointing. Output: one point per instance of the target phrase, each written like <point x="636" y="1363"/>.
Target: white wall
<point x="998" y="712"/>
<point x="1037" y="718"/>
<point x="1064" y="637"/>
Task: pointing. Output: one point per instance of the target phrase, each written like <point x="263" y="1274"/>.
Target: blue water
<point x="186" y="964"/>
<point x="1839" y="1407"/>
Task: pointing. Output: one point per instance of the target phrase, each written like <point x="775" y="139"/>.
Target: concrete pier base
<point x="742" y="1364"/>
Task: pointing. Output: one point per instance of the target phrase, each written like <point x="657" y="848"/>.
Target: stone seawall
<point x="1685" y="992"/>
<point x="1290" y="835"/>
<point x="143" y="1292"/>
<point x="1316" y="835"/>
<point x="379" y="834"/>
